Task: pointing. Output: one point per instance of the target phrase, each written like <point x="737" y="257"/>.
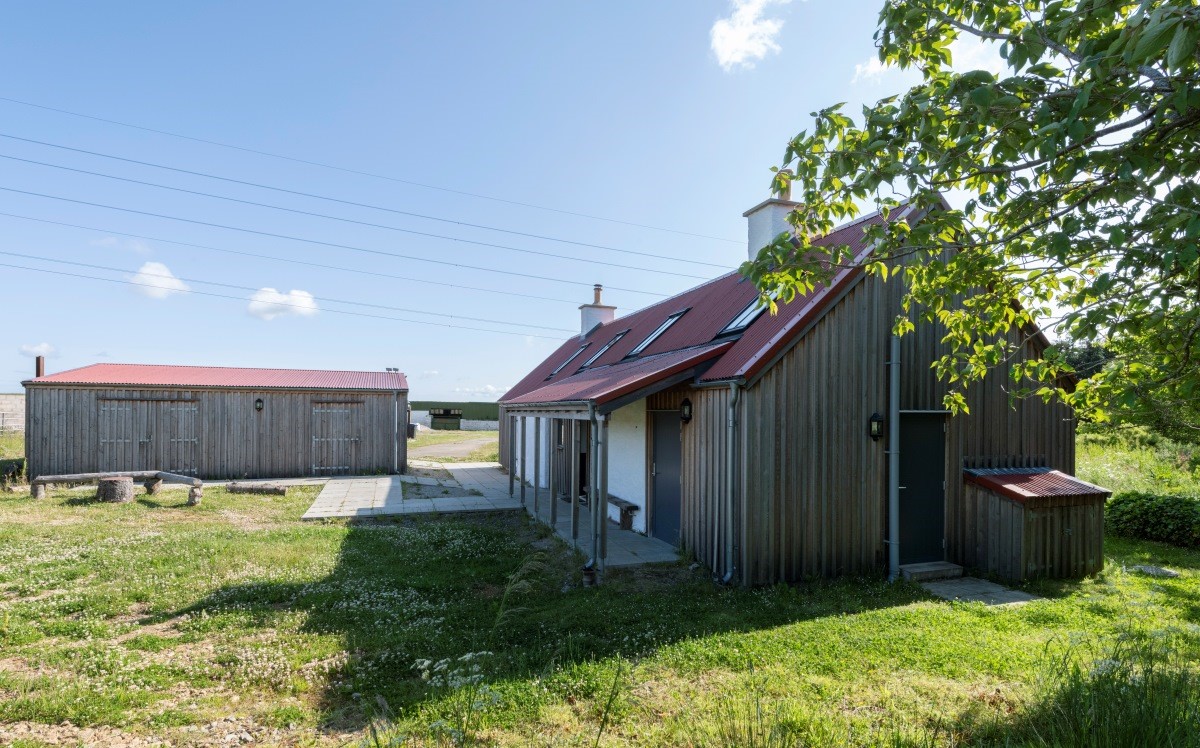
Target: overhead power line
<point x="252" y="289"/>
<point x="358" y="172"/>
<point x="315" y="196"/>
<point x="319" y="242"/>
<point x="297" y="306"/>
<point x="291" y="260"/>
<point x="326" y="216"/>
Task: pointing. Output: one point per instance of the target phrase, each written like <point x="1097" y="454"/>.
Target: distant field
<point x="12" y="445"/>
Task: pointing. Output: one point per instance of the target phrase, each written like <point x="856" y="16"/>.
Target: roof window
<point x="603" y="350"/>
<point x="656" y="334"/>
<point x="752" y="312"/>
<point x="574" y="356"/>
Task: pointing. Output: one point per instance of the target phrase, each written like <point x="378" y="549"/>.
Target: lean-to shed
<point x="216" y="422"/>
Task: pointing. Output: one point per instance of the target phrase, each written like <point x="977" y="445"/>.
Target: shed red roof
<point x="1023" y="484"/>
<point x="151" y="375"/>
<point x="707" y="310"/>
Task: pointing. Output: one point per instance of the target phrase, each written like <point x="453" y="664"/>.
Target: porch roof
<point x="605" y="384"/>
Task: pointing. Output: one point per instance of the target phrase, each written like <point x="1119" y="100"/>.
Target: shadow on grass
<point x="433" y="589"/>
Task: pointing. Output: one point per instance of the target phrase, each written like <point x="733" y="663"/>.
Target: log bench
<point x="152" y="479"/>
<point x="628" y="509"/>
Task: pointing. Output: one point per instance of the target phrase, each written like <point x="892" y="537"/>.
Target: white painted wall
<point x="627" y="460"/>
<point x="530" y="446"/>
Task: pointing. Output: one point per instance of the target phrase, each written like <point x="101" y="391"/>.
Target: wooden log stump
<point x="260" y="488"/>
<point x="195" y="493"/>
<point x="115" y="490"/>
<point x="153" y="487"/>
<point x="39" y="490"/>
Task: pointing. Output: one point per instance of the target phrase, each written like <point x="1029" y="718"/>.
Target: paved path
<point x="473" y="487"/>
<point x="478" y="487"/>
<point x="972" y="590"/>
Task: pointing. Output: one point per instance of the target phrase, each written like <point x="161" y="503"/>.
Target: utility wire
<point x="291" y="260"/>
<point x="370" y="206"/>
<point x="253" y="289"/>
<point x="326" y="216"/>
<point x="319" y="242"/>
<point x="297" y="306"/>
<point x="364" y="173"/>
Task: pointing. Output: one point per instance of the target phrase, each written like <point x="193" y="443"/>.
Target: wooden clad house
<point x="760" y="443"/>
<point x="216" y="422"/>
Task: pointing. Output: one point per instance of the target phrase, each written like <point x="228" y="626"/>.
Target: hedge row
<point x="1171" y="519"/>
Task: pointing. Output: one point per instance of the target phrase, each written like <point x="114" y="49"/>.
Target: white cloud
<point x="39" y="349"/>
<point x="133" y="245"/>
<point x="488" y="390"/>
<point x="430" y="373"/>
<point x="267" y="303"/>
<point x="745" y="36"/>
<point x="156" y="280"/>
<point x="967" y="53"/>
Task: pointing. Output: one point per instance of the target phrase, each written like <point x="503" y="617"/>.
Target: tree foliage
<point x="1076" y="172"/>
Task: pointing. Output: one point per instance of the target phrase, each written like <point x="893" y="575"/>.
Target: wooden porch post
<point x="537" y="464"/>
<point x="556" y="431"/>
<point x="603" y="493"/>
<point x="573" y="486"/>
<point x="524" y="464"/>
<point x="594" y="486"/>
<point x="511" y="428"/>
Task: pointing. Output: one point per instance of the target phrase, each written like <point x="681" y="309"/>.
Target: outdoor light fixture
<point x="685" y="411"/>
<point x="876" y="426"/>
<point x="258" y="404"/>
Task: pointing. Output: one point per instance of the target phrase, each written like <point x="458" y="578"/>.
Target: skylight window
<point x="603" y="350"/>
<point x="752" y="312"/>
<point x="656" y="334"/>
<point x="574" y="356"/>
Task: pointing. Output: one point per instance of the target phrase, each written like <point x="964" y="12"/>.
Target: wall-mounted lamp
<point x="685" y="411"/>
<point x="258" y="404"/>
<point x="876" y="426"/>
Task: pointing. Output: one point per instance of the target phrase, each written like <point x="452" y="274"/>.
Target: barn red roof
<point x="1023" y="484"/>
<point x="707" y="310"/>
<point x="151" y="375"/>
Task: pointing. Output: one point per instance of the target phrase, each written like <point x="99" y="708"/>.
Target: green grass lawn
<point x="195" y="623"/>
<point x="488" y="453"/>
<point x="12" y="444"/>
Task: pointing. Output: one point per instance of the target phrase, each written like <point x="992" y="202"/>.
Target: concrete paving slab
<point x="974" y="590"/>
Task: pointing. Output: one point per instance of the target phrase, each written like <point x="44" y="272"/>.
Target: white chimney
<point x="595" y="314"/>
<point x="766" y="221"/>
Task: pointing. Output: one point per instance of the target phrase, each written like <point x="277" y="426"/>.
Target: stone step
<point x="931" y="570"/>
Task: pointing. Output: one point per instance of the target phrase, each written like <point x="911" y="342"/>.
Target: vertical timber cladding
<point x="210" y="433"/>
<point x="813" y="482"/>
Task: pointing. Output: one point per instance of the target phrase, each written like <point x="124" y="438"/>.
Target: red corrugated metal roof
<point x="1023" y="484"/>
<point x="607" y="383"/>
<point x="152" y="375"/>
<point x="710" y="307"/>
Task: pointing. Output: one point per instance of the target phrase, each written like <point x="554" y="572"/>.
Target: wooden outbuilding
<point x="773" y="448"/>
<point x="216" y="422"/>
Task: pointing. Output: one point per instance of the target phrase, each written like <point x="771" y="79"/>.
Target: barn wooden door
<point x="177" y="447"/>
<point x="335" y="430"/>
<point x="118" y="447"/>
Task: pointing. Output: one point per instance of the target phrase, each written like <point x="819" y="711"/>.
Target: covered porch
<point x="560" y="477"/>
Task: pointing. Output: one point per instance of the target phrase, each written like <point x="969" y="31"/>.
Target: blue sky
<point x="667" y="114"/>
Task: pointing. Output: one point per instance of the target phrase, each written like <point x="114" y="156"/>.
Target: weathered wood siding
<point x="704" y="522"/>
<point x="813" y="487"/>
<point x="214" y="433"/>
<point x="1062" y="538"/>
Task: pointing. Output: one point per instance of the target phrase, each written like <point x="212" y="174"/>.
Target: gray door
<point x="335" y="438"/>
<point x="922" y="487"/>
<point x="665" y="472"/>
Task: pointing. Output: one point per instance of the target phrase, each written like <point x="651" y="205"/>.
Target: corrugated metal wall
<point x="214" y="433"/>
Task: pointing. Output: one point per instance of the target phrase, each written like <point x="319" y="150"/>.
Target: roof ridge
<point x="234" y="368"/>
<point x="685" y="291"/>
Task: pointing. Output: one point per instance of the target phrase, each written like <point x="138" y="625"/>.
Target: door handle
<point x="653" y="469"/>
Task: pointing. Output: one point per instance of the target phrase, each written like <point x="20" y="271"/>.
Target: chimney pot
<point x="598" y="289"/>
<point x="39" y="366"/>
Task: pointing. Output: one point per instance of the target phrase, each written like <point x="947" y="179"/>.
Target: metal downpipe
<point x="893" y="453"/>
<point x="731" y="455"/>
